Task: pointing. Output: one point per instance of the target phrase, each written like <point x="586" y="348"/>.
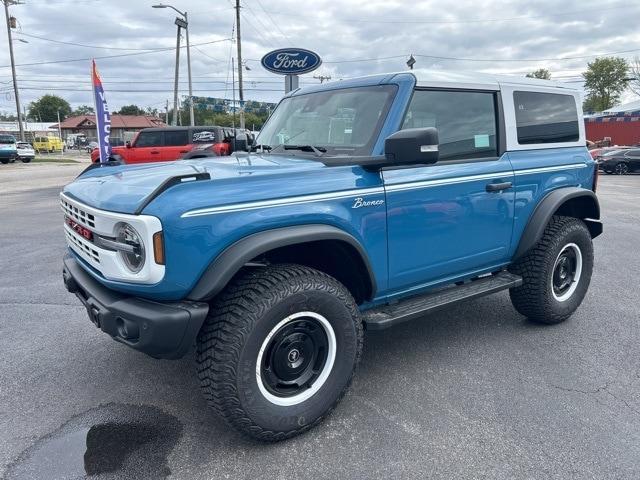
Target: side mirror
<point x="128" y="144"/>
<point x="240" y="143"/>
<point x="412" y="146"/>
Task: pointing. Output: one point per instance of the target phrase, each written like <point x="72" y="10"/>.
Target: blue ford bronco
<point x="361" y="204"/>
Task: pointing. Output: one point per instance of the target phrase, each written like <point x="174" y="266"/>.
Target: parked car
<point x="8" y="150"/>
<point x="49" y="144"/>
<point x="171" y="143"/>
<point x="360" y="206"/>
<point x="25" y="152"/>
<point x="91" y="146"/>
<point x="621" y="162"/>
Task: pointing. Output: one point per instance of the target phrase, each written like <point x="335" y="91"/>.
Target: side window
<point x="466" y="121"/>
<point x="545" y="118"/>
<point x="176" y="138"/>
<point x="149" y="139"/>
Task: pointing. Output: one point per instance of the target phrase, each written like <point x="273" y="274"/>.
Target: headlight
<point x="134" y="260"/>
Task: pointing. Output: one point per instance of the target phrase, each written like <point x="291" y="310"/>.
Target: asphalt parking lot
<point x="473" y="392"/>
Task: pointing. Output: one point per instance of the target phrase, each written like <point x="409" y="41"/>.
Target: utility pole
<point x="240" y="65"/>
<point x="191" y="118"/>
<point x="13" y="65"/>
<point x="322" y="78"/>
<point x="174" y="121"/>
<point x="166" y="112"/>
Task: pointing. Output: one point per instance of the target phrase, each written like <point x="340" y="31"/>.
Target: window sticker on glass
<point x="481" y="141"/>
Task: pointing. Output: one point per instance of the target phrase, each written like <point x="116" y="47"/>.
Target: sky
<point x="354" y="37"/>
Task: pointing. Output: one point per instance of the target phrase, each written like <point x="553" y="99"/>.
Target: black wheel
<point x="278" y="350"/>
<point x="25" y="160"/>
<point x="609" y="172"/>
<point x="621" y="168"/>
<point x="556" y="272"/>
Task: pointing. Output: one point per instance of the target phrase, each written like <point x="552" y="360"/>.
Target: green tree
<point x="605" y="79"/>
<point x="46" y="108"/>
<point x="131" y="110"/>
<point x="542" y="73"/>
<point x="83" y="110"/>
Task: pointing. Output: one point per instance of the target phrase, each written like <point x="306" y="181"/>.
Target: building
<point x="122" y="126"/>
<point x="31" y="129"/>
<point x="620" y="124"/>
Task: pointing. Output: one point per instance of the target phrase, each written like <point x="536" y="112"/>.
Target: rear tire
<point x="26" y="160"/>
<point x="4" y="160"/>
<point x="278" y="350"/>
<point x="621" y="168"/>
<point x="556" y="273"/>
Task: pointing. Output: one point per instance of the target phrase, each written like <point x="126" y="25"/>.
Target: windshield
<point x="5" y="139"/>
<point x="344" y="121"/>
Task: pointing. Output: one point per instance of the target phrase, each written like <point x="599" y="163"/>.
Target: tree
<point x="605" y="79"/>
<point x="131" y="110"/>
<point x="634" y="83"/>
<point x="542" y="73"/>
<point x="46" y="108"/>
<point x="83" y="110"/>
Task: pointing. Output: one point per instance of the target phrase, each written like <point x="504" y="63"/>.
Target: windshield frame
<point x="336" y="150"/>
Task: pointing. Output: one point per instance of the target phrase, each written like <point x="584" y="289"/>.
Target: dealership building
<point x="620" y="124"/>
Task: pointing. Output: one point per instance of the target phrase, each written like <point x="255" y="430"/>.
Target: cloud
<point x="338" y="31"/>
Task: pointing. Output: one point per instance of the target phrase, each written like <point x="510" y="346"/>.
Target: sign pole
<point x="291" y="82"/>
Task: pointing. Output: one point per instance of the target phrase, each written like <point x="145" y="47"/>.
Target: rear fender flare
<point x="584" y="205"/>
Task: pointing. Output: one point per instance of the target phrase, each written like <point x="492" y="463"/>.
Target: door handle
<point x="154" y="152"/>
<point x="184" y="151"/>
<point x="498" y="187"/>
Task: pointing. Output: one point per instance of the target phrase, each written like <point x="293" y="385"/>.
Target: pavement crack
<point x="604" y="388"/>
<point x="44" y="304"/>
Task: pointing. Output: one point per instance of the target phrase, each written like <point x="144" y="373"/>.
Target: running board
<point x="386" y="316"/>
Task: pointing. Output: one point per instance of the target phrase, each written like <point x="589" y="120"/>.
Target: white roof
<point x="476" y="80"/>
<point x="624" y="107"/>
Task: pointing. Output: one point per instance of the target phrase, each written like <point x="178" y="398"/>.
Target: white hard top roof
<point x="476" y="80"/>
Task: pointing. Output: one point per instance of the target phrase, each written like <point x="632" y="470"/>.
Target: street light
<point x="181" y="24"/>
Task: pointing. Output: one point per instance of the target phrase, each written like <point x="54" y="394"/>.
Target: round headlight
<point x="134" y="259"/>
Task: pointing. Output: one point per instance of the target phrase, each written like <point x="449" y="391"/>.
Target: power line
<point x="447" y="22"/>
<point x="86" y="46"/>
<point x="273" y="21"/>
<point x="51" y="62"/>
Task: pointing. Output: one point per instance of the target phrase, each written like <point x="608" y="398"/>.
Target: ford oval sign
<point x="291" y="61"/>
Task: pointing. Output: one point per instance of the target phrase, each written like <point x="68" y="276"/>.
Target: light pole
<point x="182" y="23"/>
<point x="13" y="64"/>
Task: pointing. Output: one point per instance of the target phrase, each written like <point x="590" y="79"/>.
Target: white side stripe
<point x="302" y="199"/>
<point x="277" y="202"/>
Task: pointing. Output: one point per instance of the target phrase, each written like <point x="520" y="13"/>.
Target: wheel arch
<point x="568" y="201"/>
<point x="323" y="247"/>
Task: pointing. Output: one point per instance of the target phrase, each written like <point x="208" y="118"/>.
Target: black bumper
<point x="161" y="330"/>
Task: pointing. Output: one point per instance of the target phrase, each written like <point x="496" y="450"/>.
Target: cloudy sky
<point x="354" y="37"/>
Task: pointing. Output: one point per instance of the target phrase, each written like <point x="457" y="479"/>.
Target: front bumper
<point x="161" y="330"/>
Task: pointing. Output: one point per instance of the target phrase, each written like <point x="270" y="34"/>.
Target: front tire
<point x="556" y="273"/>
<point x="278" y="350"/>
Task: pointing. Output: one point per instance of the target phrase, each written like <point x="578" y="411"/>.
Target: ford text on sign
<point x="291" y="61"/>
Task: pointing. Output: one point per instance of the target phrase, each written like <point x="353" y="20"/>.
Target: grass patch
<point x="53" y="160"/>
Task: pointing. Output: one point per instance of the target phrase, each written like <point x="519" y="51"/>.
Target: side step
<point x="388" y="315"/>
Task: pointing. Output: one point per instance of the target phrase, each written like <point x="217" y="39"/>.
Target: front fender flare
<point x="589" y="208"/>
<point x="234" y="257"/>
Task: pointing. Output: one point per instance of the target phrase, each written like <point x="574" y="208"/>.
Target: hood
<point x="124" y="188"/>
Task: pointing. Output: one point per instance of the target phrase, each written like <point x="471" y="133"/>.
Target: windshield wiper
<point x="255" y="148"/>
<point x="318" y="151"/>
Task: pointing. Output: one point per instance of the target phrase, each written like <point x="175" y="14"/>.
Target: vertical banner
<point x="103" y="117"/>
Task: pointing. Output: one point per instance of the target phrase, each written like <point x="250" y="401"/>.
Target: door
<point x="633" y="159"/>
<point x="455" y="217"/>
<point x="176" y="144"/>
<point x="147" y="148"/>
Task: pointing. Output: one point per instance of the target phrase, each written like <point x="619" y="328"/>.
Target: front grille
<point x="82" y="247"/>
<point x="79" y="215"/>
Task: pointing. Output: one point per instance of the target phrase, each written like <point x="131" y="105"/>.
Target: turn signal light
<point x="158" y="248"/>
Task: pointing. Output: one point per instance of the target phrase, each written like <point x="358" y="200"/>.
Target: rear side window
<point x="176" y="138"/>
<point x="149" y="139"/>
<point x="546" y="118"/>
<point x="466" y="121"/>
